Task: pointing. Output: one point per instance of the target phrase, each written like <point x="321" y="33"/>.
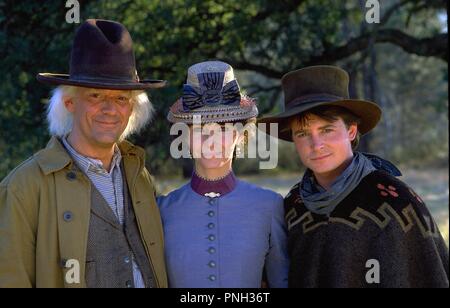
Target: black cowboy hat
<point x="315" y="86"/>
<point x="102" y="57"/>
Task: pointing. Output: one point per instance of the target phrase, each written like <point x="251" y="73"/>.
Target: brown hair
<point x="330" y="114"/>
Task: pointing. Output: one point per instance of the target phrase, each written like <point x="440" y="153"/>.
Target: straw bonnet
<point x="212" y="92"/>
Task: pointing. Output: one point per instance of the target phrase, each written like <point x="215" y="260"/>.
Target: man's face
<point x="99" y="116"/>
<point x="323" y="146"/>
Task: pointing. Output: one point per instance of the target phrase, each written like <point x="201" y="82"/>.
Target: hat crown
<point x="315" y="82"/>
<point x="321" y="85"/>
<point x="208" y="67"/>
<point x="212" y="92"/>
<point x="102" y="57"/>
<point x="209" y="84"/>
<point x="103" y="49"/>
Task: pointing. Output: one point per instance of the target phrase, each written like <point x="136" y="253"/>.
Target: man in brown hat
<point x="82" y="211"/>
<point x="351" y="222"/>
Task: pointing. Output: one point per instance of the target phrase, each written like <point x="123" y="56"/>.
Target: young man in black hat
<point x="82" y="212"/>
<point x="351" y="222"/>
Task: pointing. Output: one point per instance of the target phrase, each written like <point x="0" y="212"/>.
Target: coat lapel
<point x="73" y="207"/>
<point x="144" y="204"/>
<point x="72" y="190"/>
<point x="73" y="219"/>
<point x="101" y="209"/>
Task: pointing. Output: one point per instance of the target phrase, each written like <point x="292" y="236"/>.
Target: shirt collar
<point x="214" y="188"/>
<point x="91" y="164"/>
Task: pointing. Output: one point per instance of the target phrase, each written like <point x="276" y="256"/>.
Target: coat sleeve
<point x="17" y="240"/>
<point x="277" y="260"/>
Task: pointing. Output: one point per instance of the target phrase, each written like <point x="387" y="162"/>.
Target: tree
<point x="262" y="39"/>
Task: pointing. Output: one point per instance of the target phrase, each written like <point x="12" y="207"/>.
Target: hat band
<point x="103" y="79"/>
<point x="313" y="98"/>
<point x="197" y="97"/>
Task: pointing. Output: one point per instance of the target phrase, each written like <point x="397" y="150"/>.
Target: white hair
<point x="60" y="120"/>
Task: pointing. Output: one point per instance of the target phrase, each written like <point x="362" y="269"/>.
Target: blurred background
<point x="400" y="63"/>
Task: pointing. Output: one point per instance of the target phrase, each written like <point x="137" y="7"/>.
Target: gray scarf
<point x="321" y="201"/>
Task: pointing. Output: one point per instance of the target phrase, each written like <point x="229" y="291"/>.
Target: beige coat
<point x="36" y="235"/>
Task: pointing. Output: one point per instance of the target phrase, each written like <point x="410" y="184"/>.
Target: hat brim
<point x="214" y="114"/>
<point x="99" y="83"/>
<point x="368" y="112"/>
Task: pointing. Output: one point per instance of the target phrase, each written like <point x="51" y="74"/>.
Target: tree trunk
<point x="370" y="84"/>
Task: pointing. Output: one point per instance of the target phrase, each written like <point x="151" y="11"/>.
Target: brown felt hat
<point x="102" y="57"/>
<point x="315" y="86"/>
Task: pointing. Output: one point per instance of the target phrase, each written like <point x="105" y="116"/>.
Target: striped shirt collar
<point x="91" y="164"/>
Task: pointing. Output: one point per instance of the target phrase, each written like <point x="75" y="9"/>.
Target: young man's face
<point x="323" y="146"/>
<point x="100" y="116"/>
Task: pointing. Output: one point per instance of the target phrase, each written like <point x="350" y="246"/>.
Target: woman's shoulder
<point x="262" y="201"/>
<point x="174" y="196"/>
<point x="253" y="189"/>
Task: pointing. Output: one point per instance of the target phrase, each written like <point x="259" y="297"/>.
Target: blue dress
<point x="225" y="241"/>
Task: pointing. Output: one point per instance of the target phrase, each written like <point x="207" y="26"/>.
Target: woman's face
<point x="212" y="145"/>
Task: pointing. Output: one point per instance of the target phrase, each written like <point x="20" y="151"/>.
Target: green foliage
<point x="264" y="38"/>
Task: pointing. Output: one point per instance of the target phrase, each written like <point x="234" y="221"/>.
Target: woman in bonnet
<point x="220" y="231"/>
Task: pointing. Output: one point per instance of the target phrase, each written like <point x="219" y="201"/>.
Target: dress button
<point x="126" y="260"/>
<point x="128" y="284"/>
<point x="212" y="264"/>
<point x="211" y="250"/>
<point x="212" y="277"/>
<point x="212" y="201"/>
<point x="211" y="213"/>
<point x="68" y="216"/>
<point x="211" y="225"/>
<point x="211" y="237"/>
<point x="71" y="176"/>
